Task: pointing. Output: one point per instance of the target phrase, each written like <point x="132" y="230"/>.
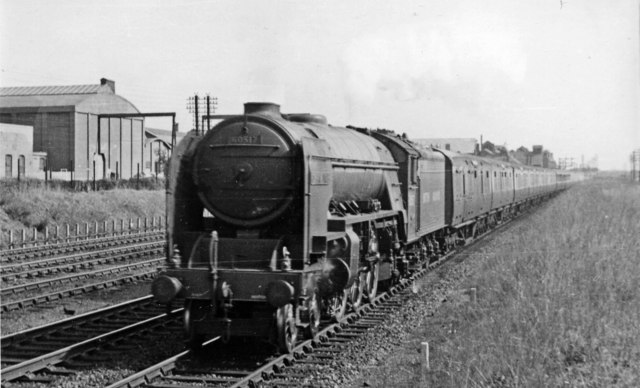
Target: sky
<point x="563" y="74"/>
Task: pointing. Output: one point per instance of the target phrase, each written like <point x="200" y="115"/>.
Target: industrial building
<point x="157" y="149"/>
<point x="66" y="127"/>
<point x="16" y="147"/>
<point x="538" y="157"/>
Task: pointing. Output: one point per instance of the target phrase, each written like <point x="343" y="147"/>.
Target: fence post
<point x="122" y="226"/>
<point x="57" y="232"/>
<point x="113" y="227"/>
<point x="23" y="238"/>
<point x="35" y="237"/>
<point x="95" y="229"/>
<point x="11" y="239"/>
<point x="138" y="226"/>
<point x="86" y="230"/>
<point x="46" y="235"/>
<point x="77" y="231"/>
<point x="425" y="359"/>
<point x="67" y="235"/>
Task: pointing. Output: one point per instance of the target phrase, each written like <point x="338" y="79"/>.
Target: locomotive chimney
<point x="262" y="108"/>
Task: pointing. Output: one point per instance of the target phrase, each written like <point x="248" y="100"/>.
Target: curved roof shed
<point x="65" y="121"/>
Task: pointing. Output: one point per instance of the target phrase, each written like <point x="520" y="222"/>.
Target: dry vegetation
<point x="558" y="303"/>
<point x="30" y="205"/>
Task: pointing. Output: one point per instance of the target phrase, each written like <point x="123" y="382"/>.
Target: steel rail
<point x="33" y="332"/>
<point x="8" y="255"/>
<point x="158" y="370"/>
<point x="34" y="300"/>
<point x="65" y="262"/>
<point x="38" y="363"/>
<point x="85" y="275"/>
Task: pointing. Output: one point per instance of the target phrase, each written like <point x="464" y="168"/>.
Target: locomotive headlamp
<point x="166" y="288"/>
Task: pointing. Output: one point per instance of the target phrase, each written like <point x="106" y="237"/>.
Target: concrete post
<point x="425" y="358"/>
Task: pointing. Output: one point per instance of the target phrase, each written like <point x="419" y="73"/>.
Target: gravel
<point x="361" y="363"/>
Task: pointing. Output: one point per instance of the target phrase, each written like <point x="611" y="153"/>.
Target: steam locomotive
<point x="275" y="220"/>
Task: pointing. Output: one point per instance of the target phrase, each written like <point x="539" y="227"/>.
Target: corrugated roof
<point x="161" y="134"/>
<point x="158" y="132"/>
<point x="49" y="90"/>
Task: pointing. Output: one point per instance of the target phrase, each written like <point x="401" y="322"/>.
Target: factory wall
<point x="16" y="150"/>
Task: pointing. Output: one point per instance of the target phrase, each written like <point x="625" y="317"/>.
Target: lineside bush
<point x="30" y="205"/>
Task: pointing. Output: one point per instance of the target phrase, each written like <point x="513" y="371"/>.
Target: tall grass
<point x="559" y="299"/>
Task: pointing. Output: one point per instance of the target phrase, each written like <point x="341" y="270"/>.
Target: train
<point x="276" y="221"/>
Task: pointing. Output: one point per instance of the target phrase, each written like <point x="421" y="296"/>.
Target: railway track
<point x="28" y="282"/>
<point x="61" y="248"/>
<point x="40" y="298"/>
<point x="60" y="347"/>
<point x="41" y="267"/>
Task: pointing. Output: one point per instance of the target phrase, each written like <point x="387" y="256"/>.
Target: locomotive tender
<point x="276" y="220"/>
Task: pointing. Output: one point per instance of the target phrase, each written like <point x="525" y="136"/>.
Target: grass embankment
<point x="558" y="302"/>
<point x="35" y="206"/>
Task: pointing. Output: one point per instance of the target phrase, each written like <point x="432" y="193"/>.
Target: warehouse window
<point x="21" y="165"/>
<point x="8" y="166"/>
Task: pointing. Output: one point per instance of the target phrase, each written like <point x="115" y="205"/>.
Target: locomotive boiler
<point x="275" y="220"/>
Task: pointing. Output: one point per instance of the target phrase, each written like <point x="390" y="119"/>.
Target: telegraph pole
<point x="197" y="106"/>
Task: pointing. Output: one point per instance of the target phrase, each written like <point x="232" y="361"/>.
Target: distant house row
<point x="538" y="156"/>
<point x="58" y="129"/>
